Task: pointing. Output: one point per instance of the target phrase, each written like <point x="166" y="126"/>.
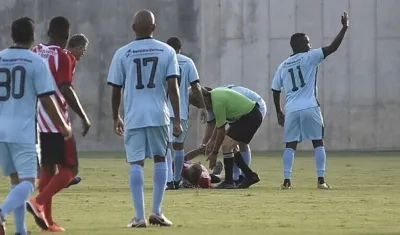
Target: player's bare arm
<point x="116" y="97"/>
<point x="198" y="95"/>
<point x="194" y="153"/>
<point x="51" y="107"/>
<point x="277" y="102"/>
<point x="339" y="38"/>
<point x="211" y="142"/>
<point x="173" y="91"/>
<point x="73" y="101"/>
<point x="220" y="133"/>
<point x="208" y="132"/>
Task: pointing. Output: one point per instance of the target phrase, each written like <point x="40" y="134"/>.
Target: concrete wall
<point x="242" y="42"/>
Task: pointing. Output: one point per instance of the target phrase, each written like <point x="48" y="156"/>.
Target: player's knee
<point x="158" y="159"/>
<point x="49" y="169"/>
<point x="228" y="145"/>
<point x="14" y="179"/>
<point x="318" y="143"/>
<point x="28" y="179"/>
<point x="177" y="146"/>
<point x="244" y="147"/>
<point x="291" y="145"/>
<point x="140" y="163"/>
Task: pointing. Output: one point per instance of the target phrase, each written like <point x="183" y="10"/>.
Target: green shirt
<point x="229" y="105"/>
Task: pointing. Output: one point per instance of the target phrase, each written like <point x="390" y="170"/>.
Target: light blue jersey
<point x="249" y="94"/>
<point x="297" y="75"/>
<point x="23" y="77"/>
<point x="189" y="75"/>
<point x="142" y="67"/>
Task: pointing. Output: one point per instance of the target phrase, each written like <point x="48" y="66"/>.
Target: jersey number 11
<point x="302" y="83"/>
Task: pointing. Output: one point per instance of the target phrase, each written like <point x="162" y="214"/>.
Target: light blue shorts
<point x="306" y="124"/>
<point x="180" y="139"/>
<point x="19" y="158"/>
<point x="146" y="142"/>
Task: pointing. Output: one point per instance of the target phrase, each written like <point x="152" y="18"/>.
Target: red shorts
<point x="57" y="151"/>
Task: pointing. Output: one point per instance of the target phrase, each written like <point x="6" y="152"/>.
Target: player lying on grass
<point x="18" y="157"/>
<point x="229" y="105"/>
<point x="210" y="133"/>
<point x="188" y="78"/>
<point x="297" y="76"/>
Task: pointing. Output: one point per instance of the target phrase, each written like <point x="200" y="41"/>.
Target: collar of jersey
<point x="14" y="47"/>
<point x="143" y="38"/>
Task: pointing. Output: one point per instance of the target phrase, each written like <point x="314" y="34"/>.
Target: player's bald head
<point x="144" y="23"/>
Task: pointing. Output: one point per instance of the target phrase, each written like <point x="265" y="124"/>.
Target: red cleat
<point x="37" y="211"/>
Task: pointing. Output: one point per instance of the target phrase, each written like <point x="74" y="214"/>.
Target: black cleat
<point x="286" y="184"/>
<point x="177" y="184"/>
<point x="170" y="186"/>
<point x="249" y="181"/>
<point x="75" y="181"/>
<point x="240" y="180"/>
<point x="225" y="185"/>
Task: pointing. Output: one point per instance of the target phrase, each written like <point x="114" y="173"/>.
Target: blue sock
<point x="288" y="159"/>
<point x="160" y="179"/>
<point x="320" y="160"/>
<point x="246" y="158"/>
<point x="136" y="182"/>
<point x="17" y="197"/>
<point x="178" y="164"/>
<point x="19" y="217"/>
<point x="169" y="163"/>
<point x="236" y="172"/>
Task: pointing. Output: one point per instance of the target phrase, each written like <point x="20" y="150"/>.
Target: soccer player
<point x="302" y="120"/>
<point x="76" y="48"/>
<point x="188" y="78"/>
<point x="55" y="151"/>
<point x="148" y="70"/>
<point x="245" y="117"/>
<point x="209" y="136"/>
<point x="24" y="79"/>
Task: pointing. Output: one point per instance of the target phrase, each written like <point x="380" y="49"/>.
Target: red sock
<point x="47" y="211"/>
<point x="44" y="179"/>
<point x="57" y="183"/>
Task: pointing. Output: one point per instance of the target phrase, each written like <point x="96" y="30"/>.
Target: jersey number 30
<point x="302" y="83"/>
<point x="145" y="61"/>
<point x="12" y="86"/>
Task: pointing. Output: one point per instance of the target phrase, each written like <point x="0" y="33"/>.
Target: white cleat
<point x="159" y="220"/>
<point x="137" y="224"/>
<point x="324" y="186"/>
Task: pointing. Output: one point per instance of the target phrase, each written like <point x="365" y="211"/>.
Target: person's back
<point x="143" y="69"/>
<point x="298" y="77"/>
<point x="252" y="95"/>
<point x="19" y="71"/>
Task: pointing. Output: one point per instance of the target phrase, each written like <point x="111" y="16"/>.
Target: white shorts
<point x="180" y="139"/>
<point x="306" y="124"/>
<point x="147" y="142"/>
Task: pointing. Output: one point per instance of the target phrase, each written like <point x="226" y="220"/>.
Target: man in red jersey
<point x="55" y="151"/>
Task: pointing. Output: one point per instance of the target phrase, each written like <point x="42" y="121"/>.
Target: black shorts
<point x="243" y="130"/>
<point x="57" y="151"/>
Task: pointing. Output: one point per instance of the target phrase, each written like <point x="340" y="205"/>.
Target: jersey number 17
<point x="300" y="74"/>
<point x="145" y="61"/>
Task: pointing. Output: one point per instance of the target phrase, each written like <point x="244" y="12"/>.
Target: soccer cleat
<point x="170" y="186"/>
<point x="2" y="225"/>
<point x="137" y="224"/>
<point x="37" y="211"/>
<point x="28" y="233"/>
<point x="323" y="186"/>
<point x="240" y="180"/>
<point x="218" y="168"/>
<point x="159" y="220"/>
<point x="75" y="181"/>
<point x="286" y="184"/>
<point x="249" y="181"/>
<point x="177" y="184"/>
<point x="225" y="185"/>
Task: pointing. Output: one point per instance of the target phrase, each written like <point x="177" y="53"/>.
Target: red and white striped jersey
<point x="60" y="66"/>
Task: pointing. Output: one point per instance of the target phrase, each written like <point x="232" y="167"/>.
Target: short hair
<point x="175" y="43"/>
<point x="78" y="40"/>
<point x="194" y="174"/>
<point x="295" y="39"/>
<point x="59" y="27"/>
<point x="23" y="30"/>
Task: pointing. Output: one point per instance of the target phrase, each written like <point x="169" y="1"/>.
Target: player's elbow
<point x="46" y="101"/>
<point x="66" y="91"/>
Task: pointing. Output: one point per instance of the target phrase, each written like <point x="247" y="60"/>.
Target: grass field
<point x="365" y="199"/>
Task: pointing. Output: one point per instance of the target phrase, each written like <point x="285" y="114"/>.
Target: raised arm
<point x="339" y="38"/>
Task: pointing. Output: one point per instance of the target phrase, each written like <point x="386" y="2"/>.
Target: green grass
<point x="365" y="199"/>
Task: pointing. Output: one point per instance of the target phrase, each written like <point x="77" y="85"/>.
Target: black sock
<point x="242" y="165"/>
<point x="228" y="167"/>
<point x="321" y="180"/>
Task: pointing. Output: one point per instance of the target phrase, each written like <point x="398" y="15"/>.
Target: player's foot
<point x="75" y="181"/>
<point x="218" y="168"/>
<point x="170" y="186"/>
<point x="322" y="184"/>
<point x="225" y="185"/>
<point x="37" y="211"/>
<point x="177" y="184"/>
<point x="137" y="223"/>
<point x="2" y="225"/>
<point x="249" y="181"/>
<point x="159" y="220"/>
<point x="240" y="180"/>
<point x="54" y="228"/>
<point x="29" y="233"/>
<point x="286" y="184"/>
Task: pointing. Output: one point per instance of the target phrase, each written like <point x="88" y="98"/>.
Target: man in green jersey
<point x="245" y="118"/>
